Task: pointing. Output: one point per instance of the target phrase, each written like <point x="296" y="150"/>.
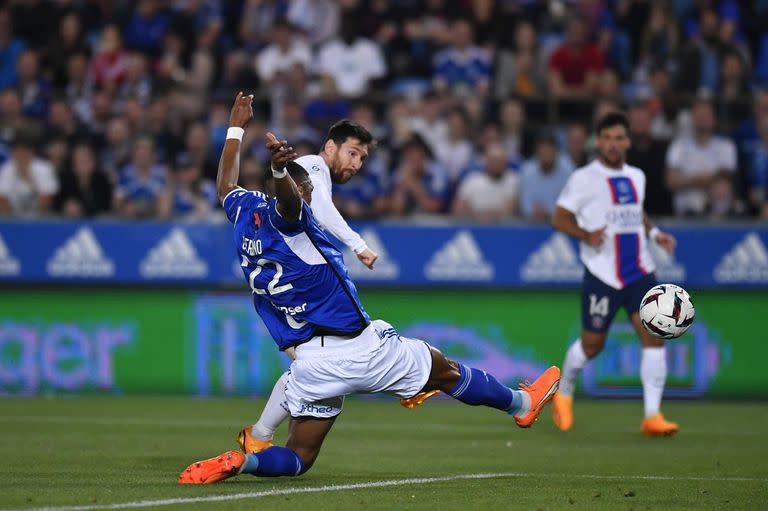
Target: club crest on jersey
<point x="622" y="190"/>
<point x="257" y="220"/>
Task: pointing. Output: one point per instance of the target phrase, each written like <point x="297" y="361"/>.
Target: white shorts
<point x="378" y="360"/>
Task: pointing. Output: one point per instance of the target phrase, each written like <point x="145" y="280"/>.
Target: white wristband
<point x="653" y="233"/>
<point x="279" y="174"/>
<point x="236" y="133"/>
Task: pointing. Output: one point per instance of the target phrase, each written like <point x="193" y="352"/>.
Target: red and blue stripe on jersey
<point x="627" y="245"/>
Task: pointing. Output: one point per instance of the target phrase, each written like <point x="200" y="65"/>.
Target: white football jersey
<point x="322" y="203"/>
<point x="600" y="196"/>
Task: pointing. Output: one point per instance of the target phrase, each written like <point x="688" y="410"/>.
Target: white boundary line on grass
<point x="371" y="484"/>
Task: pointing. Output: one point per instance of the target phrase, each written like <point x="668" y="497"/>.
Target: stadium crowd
<point x="482" y="108"/>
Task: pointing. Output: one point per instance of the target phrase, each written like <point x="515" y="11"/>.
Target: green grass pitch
<point x="96" y="452"/>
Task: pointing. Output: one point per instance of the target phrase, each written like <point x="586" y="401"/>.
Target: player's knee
<point x="444" y="373"/>
<point x="592" y="346"/>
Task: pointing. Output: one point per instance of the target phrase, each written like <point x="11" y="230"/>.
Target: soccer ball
<point x="667" y="311"/>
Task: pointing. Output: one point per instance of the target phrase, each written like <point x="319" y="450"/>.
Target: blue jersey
<point x="298" y="278"/>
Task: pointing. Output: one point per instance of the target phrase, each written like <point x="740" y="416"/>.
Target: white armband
<point x="279" y="174"/>
<point x="236" y="133"/>
<point x="655" y="231"/>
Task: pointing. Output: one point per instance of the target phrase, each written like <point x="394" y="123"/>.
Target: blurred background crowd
<point x="482" y="108"/>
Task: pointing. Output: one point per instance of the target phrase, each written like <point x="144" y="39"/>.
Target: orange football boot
<point x="541" y="391"/>
<point x="250" y="445"/>
<point x="413" y="402"/>
<point x="213" y="470"/>
<point x="657" y="425"/>
<point x="562" y="411"/>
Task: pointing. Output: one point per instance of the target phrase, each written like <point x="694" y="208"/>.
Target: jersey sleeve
<point x="286" y="227"/>
<point x="332" y="221"/>
<point x="240" y="201"/>
<point x="574" y="194"/>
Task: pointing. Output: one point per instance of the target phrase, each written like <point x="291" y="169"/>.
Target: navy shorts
<point x="600" y="302"/>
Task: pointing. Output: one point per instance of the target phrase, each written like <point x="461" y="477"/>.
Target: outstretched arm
<point x="229" y="163"/>
<point x="286" y="191"/>
<point x="329" y="217"/>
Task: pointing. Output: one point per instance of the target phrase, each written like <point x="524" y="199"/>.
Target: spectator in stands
<point x="117" y="151"/>
<point x="159" y="126"/>
<point x="10" y="49"/>
<point x="63" y="123"/>
<point x="141" y="183"/>
<point x="34" y="89"/>
<point x="457" y="150"/>
<point x="256" y="21"/>
<point x="663" y="103"/>
<point x="287" y="53"/>
<point x="660" y="38"/>
<point x="517" y="139"/>
<point x="146" y="29"/>
<point x="138" y="81"/>
<point x="542" y="178"/>
<point x="319" y="19"/>
<point x="56" y="151"/>
<point x="79" y="89"/>
<point x="27" y="183"/>
<point x="189" y="195"/>
<point x="354" y="61"/>
<point x="700" y="60"/>
<point x="198" y="144"/>
<point x="576" y="65"/>
<point x="292" y="125"/>
<point x="576" y="144"/>
<point x="327" y="107"/>
<point x="197" y="19"/>
<point x="735" y="82"/>
<point x="85" y="190"/>
<point x="187" y="73"/>
<point x="463" y="68"/>
<point x="68" y="41"/>
<point x="490" y="195"/>
<point x="109" y="67"/>
<point x="649" y="155"/>
<point x="697" y="162"/>
<point x="521" y="72"/>
<point x="757" y="172"/>
<point x="11" y="113"/>
<point x="422" y="184"/>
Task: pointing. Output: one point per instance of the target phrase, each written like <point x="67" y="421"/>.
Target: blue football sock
<point x="476" y="387"/>
<point x="273" y="462"/>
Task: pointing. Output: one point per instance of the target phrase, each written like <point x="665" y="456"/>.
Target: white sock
<point x="653" y="374"/>
<point x="575" y="359"/>
<point x="274" y="413"/>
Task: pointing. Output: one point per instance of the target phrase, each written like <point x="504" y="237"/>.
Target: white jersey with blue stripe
<point x="600" y="196"/>
<point x="298" y="278"/>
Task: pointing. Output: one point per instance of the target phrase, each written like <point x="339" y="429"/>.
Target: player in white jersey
<point x="602" y="206"/>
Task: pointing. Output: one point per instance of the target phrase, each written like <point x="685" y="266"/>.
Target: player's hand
<point x="242" y="111"/>
<point x="368" y="257"/>
<point x="666" y="241"/>
<point x="596" y="238"/>
<point x="282" y="153"/>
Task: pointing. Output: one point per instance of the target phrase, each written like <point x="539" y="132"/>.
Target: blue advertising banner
<point x="506" y="256"/>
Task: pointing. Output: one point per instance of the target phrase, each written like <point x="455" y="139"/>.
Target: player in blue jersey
<point x="305" y="297"/>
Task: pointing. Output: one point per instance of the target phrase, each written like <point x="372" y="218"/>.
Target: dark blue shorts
<point x="600" y="302"/>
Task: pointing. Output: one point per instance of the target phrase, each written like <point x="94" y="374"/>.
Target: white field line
<point x="371" y="484"/>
